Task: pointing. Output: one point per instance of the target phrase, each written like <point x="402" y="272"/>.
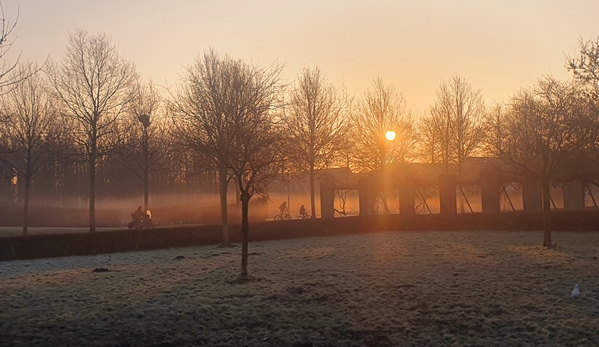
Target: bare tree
<point x="256" y="156"/>
<point x="585" y="66"/>
<point x="226" y="112"/>
<point x="93" y="85"/>
<point x="585" y="69"/>
<point x="10" y="72"/>
<point x="315" y="119"/>
<point x="28" y="130"/>
<point x="494" y="130"/>
<point x="202" y="107"/>
<point x="453" y="130"/>
<point x="538" y="132"/>
<point x="429" y="144"/>
<point x="456" y="121"/>
<point x="344" y="154"/>
<point x="382" y="109"/>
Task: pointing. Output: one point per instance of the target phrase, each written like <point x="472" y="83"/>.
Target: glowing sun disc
<point x="390" y="135"/>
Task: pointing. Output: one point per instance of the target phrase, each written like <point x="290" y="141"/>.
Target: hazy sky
<point x="497" y="45"/>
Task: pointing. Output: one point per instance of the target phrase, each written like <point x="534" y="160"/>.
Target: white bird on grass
<point x="575" y="292"/>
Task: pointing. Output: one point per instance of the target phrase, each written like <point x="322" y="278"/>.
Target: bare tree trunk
<point x="237" y="194"/>
<point x="312" y="202"/>
<point x="546" y="213"/>
<point x="26" y="203"/>
<point x="222" y="178"/>
<point x="146" y="204"/>
<point x="92" y="186"/>
<point x="245" y="200"/>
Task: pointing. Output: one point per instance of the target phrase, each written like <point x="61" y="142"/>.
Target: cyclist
<point x="283" y="208"/>
<point x="138" y="215"/>
<point x="302" y="211"/>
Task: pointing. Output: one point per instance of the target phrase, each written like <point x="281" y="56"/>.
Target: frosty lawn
<point x="380" y="289"/>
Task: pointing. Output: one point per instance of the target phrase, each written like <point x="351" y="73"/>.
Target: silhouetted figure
<point x="138" y="215"/>
<point x="283" y="208"/>
<point x="302" y="211"/>
<point x="141" y="219"/>
<point x="147" y="219"/>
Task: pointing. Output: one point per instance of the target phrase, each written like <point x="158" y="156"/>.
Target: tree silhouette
<point x="538" y="133"/>
<point x="93" y="86"/>
<point x="28" y="131"/>
<point x="381" y="109"/>
<point x="226" y="112"/>
<point x="316" y="122"/>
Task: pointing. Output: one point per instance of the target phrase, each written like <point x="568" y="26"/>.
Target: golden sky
<point x="497" y="45"/>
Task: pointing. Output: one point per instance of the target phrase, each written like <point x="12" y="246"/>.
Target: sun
<point x="390" y="135"/>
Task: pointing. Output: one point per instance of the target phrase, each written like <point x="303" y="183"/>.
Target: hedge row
<point x="56" y="245"/>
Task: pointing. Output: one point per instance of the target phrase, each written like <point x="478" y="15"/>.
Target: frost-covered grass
<point x="381" y="289"/>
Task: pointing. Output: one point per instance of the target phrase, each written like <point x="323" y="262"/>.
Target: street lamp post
<point x="145" y="121"/>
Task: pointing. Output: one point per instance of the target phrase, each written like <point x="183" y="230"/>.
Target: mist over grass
<point x="204" y="208"/>
<point x="381" y="289"/>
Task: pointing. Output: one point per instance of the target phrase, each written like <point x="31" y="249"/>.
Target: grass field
<point x="381" y="289"/>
